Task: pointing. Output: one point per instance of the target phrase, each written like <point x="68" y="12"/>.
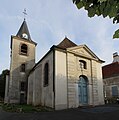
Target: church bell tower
<point x="22" y="61"/>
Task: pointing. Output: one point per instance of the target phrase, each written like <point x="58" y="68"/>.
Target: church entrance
<point x="22" y="98"/>
<point x="82" y="90"/>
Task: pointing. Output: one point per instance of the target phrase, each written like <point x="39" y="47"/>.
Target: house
<point x="68" y="76"/>
<point x="111" y="77"/>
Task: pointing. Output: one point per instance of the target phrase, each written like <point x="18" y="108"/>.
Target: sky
<point x="49" y="21"/>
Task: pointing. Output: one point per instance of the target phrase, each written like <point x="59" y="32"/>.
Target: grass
<point x="24" y="108"/>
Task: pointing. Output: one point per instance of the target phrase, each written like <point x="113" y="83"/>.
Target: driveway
<point x="107" y="112"/>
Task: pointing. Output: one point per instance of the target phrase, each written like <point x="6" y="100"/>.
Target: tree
<point x="105" y="8"/>
<point x="2" y="82"/>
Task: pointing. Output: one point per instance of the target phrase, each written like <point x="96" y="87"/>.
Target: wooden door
<point x="82" y="91"/>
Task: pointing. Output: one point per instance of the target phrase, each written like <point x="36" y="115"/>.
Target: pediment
<point x="84" y="51"/>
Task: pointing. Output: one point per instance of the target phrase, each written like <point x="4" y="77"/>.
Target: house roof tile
<point x="66" y="43"/>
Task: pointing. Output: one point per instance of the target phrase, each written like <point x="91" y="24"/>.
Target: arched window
<point x="46" y="74"/>
<point x="22" y="87"/>
<point x="24" y="49"/>
<point x="82" y="64"/>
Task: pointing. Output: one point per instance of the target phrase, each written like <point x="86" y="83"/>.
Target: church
<point x="67" y="76"/>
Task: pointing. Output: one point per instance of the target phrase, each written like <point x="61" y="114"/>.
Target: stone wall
<point x="108" y="84"/>
<point x="94" y="75"/>
<point x="60" y="80"/>
<point x="16" y="76"/>
<point x="42" y="95"/>
<point x="30" y="88"/>
<point x="71" y="80"/>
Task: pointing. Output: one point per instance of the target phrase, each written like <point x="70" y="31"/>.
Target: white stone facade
<point x="37" y="93"/>
<point x="64" y="72"/>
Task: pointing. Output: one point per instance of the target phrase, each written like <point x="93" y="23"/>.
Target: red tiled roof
<point x="110" y="70"/>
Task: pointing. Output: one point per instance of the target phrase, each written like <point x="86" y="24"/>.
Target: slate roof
<point x="66" y="43"/>
<point x="23" y="29"/>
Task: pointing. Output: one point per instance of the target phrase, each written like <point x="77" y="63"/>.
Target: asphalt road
<point x="107" y="112"/>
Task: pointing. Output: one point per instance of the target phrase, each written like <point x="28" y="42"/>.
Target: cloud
<point x="49" y="21"/>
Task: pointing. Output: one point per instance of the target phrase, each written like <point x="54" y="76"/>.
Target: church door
<point x="22" y="98"/>
<point x="82" y="90"/>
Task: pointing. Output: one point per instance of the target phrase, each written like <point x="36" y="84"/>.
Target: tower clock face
<point x="24" y="35"/>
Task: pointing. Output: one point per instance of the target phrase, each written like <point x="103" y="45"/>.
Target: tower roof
<point x="24" y="30"/>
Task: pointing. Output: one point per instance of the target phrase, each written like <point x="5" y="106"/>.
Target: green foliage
<point x="112" y="100"/>
<point x="24" y="108"/>
<point x="17" y="108"/>
<point x="2" y="83"/>
<point x="106" y="8"/>
<point x="116" y="34"/>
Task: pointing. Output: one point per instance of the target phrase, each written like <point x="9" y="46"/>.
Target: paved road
<point x="96" y="113"/>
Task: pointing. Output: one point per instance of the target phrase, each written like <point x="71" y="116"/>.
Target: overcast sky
<point x="49" y="21"/>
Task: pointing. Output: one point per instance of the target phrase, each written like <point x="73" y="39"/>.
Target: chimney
<point x="115" y="57"/>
